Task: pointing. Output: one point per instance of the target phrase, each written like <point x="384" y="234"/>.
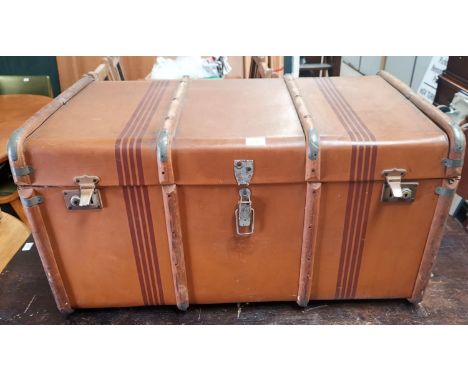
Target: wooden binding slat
<point x="434" y="114"/>
<point x="312" y="166"/>
<point x="433" y="241"/>
<point x="176" y="247"/>
<point x="444" y="202"/>
<point x="171" y="202"/>
<point x="309" y="242"/>
<point x="166" y="172"/>
<point x="46" y="252"/>
<point x="34" y="213"/>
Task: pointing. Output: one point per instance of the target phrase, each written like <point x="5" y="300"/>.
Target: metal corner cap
<point x="12" y="147"/>
<point x="163" y="142"/>
<point x="460" y="142"/>
<point x="314" y="141"/>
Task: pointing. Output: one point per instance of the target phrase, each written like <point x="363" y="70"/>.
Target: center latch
<point x="245" y="214"/>
<point x="394" y="190"/>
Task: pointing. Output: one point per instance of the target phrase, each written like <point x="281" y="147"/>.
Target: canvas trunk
<point x="213" y="191"/>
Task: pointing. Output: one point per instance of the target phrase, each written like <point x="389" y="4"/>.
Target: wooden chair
<point x="39" y="85"/>
<point x="9" y="193"/>
<point x="114" y="68"/>
<point x="101" y="73"/>
<point x="13" y="234"/>
<point x="320" y="66"/>
<point x="259" y="68"/>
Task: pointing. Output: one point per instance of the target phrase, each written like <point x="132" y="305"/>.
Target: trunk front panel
<point x="223" y="267"/>
<point x="370" y="255"/>
<point x="107" y="256"/>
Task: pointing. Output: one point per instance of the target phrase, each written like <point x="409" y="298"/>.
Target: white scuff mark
<point x="314" y="308"/>
<point x="29" y="305"/>
<point x="27" y="247"/>
<point x="239" y="310"/>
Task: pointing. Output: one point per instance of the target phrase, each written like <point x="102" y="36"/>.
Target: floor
<point x="25" y="298"/>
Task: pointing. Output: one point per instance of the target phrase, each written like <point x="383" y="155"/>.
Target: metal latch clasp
<point x="395" y="190"/>
<point x="244" y="214"/>
<point x="87" y="197"/>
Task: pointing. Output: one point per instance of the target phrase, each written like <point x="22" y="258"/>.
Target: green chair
<point x="39" y="85"/>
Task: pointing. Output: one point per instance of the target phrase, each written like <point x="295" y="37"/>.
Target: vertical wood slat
<point x="309" y="242"/>
<point x="433" y="241"/>
<point x="176" y="247"/>
<point x="312" y="166"/>
<point x="46" y="253"/>
<point x="171" y="202"/>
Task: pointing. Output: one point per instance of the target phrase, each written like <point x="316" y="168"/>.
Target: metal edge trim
<point x="21" y="171"/>
<point x="442" y="191"/>
<point x="34" y="200"/>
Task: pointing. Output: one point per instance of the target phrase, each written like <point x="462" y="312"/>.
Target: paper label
<point x="255" y="141"/>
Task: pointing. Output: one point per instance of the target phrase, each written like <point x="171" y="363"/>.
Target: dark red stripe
<point x="359" y="193"/>
<point x="144" y="204"/>
<point x="128" y="158"/>
<point x="371" y="156"/>
<point x="122" y="140"/>
<point x="353" y="231"/>
<point x="119" y="154"/>
<point x="351" y="190"/>
<point x="131" y="225"/>
<point x="139" y="209"/>
<point x="366" y="217"/>
<point x="353" y="193"/>
<point x="139" y="228"/>
<point x="133" y="207"/>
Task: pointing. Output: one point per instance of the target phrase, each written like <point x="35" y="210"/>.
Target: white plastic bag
<point x="192" y="66"/>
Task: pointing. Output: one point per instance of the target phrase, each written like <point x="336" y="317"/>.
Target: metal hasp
<point x="87" y="197"/>
<point x="394" y="190"/>
<point x="244" y="214"/>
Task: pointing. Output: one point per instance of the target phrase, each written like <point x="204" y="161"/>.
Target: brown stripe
<point x="130" y="172"/>
<point x="362" y="167"/>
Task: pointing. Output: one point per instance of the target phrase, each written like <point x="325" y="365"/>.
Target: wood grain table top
<point x="15" y="109"/>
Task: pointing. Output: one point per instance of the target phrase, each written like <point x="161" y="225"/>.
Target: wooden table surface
<point x="14" y="110"/>
<point x="25" y="298"/>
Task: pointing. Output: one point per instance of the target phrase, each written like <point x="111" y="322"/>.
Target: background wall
<point x="37" y="65"/>
<point x="409" y="69"/>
